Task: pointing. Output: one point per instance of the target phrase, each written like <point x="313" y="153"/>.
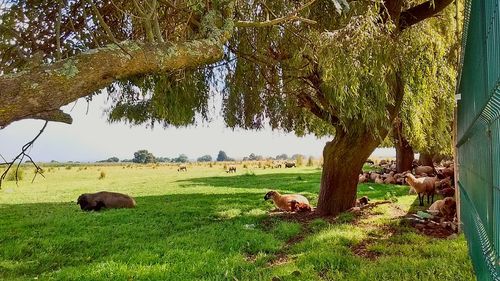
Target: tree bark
<point x="343" y="159"/>
<point x="404" y="151"/>
<point x="421" y="12"/>
<point x="426" y="159"/>
<point x="40" y="91"/>
<point x="344" y="156"/>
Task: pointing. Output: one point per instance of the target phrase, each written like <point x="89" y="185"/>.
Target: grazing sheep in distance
<point x="104" y="199"/>
<point x="362" y="201"/>
<point x="446" y="172"/>
<point x="393" y="167"/>
<point x="231" y="169"/>
<point x="289" y="202"/>
<point x="422" y="186"/>
<point x="289" y="164"/>
<point x="182" y="168"/>
<point x="389" y="178"/>
<point x="420" y="170"/>
<point x="400" y="179"/>
<point x="363" y="178"/>
<point x="448" y="164"/>
<point x="447" y="192"/>
<point x="442" y="184"/>
<point x="374" y="176"/>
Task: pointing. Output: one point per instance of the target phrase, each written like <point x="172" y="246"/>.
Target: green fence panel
<point x="478" y="136"/>
<point x="496" y="184"/>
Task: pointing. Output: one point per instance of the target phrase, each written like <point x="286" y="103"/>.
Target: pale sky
<point x="92" y="138"/>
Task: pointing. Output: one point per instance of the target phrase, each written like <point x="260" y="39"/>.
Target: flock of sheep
<point x="232" y="168"/>
<point x="423" y="180"/>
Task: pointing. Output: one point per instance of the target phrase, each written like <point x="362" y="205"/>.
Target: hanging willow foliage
<point x="172" y="99"/>
<point x="281" y="72"/>
<point x="430" y="79"/>
<point x="356" y="63"/>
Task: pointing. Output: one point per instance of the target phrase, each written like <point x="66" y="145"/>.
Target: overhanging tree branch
<point x="53" y="115"/>
<point x="306" y="101"/>
<point x="273" y="22"/>
<point x="290" y="17"/>
<point x="421" y="12"/>
<point x="40" y="91"/>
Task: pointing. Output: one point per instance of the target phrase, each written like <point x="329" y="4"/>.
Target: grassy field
<point x="205" y="224"/>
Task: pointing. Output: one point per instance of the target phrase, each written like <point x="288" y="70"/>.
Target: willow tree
<point x="344" y="76"/>
<point x="424" y="123"/>
<point x="297" y="66"/>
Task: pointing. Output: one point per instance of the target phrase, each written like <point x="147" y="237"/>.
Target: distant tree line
<point x="204" y="158"/>
<point x="143" y="156"/>
<point x="222" y="156"/>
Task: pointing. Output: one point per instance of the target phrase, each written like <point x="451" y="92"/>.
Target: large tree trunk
<point x="344" y="156"/>
<point x="343" y="159"/>
<point x="404" y="151"/>
<point x="404" y="157"/>
<point x="426" y="159"/>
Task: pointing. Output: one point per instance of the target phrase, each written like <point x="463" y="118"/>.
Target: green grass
<point x="371" y="168"/>
<point x="207" y="225"/>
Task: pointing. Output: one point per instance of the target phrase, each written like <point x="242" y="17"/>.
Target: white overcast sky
<point x="92" y="138"/>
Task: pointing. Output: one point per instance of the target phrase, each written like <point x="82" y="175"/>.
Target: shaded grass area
<point x="306" y="183"/>
<point x="372" y="168"/>
<point x="207" y="225"/>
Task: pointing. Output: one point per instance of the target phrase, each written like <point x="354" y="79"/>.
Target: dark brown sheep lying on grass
<point x="104" y="199"/>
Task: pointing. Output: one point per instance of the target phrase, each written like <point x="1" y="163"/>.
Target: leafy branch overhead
<point x="47" y="47"/>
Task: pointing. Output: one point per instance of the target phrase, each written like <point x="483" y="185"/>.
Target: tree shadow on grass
<point x="291" y="183"/>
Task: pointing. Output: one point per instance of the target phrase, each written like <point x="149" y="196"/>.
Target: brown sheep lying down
<point x="104" y="199"/>
<point x="289" y="202"/>
<point x="428" y="170"/>
<point x="445" y="207"/>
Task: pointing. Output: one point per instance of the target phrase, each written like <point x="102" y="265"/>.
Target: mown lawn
<point x="205" y="224"/>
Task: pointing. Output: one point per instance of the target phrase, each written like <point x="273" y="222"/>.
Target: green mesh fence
<point x="478" y="136"/>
